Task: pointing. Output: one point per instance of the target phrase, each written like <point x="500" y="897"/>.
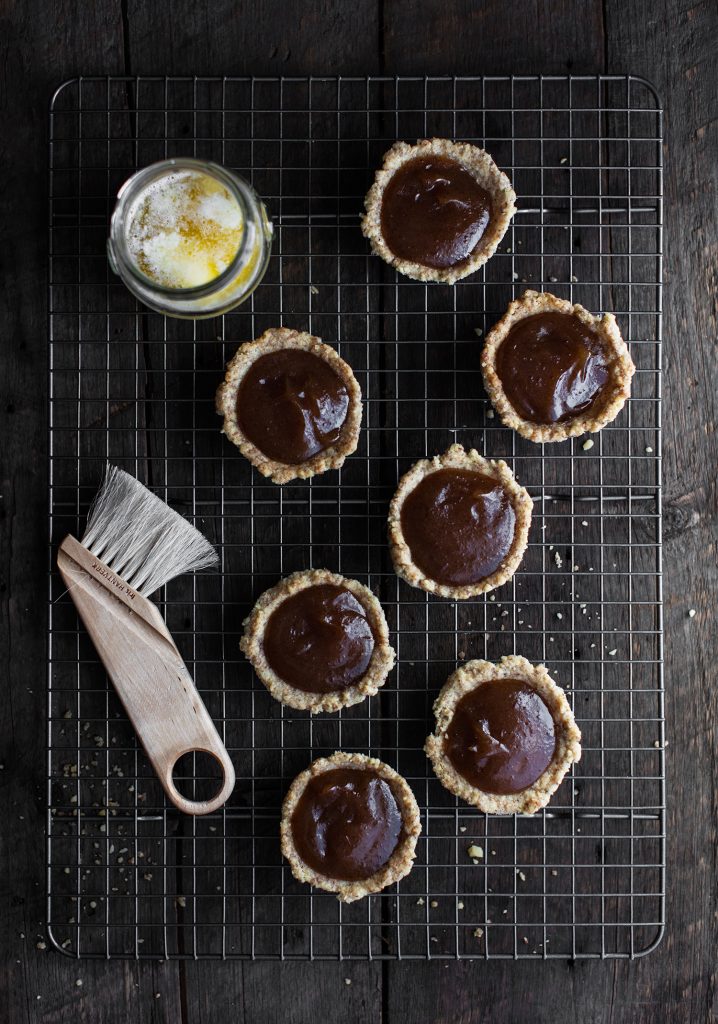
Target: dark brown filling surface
<point x="552" y="367"/>
<point x="502" y="737"/>
<point x="319" y="639"/>
<point x="292" y="405"/>
<point x="347" y="823"/>
<point x="459" y="526"/>
<point x="434" y="212"/>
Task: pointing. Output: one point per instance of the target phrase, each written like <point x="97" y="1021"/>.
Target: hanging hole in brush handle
<point x="199" y="781"/>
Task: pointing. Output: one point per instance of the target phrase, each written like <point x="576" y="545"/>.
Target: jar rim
<point x="240" y="190"/>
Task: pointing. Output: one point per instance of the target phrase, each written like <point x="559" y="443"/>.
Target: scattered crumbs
<point x="462" y="828"/>
<point x="613" y="652"/>
<point x="557" y="559"/>
<point x="552" y="278"/>
<point x="180" y="901"/>
<point x="420" y="902"/>
<point x="575" y="568"/>
<point x="515" y="276"/>
<point x="40" y="945"/>
<point x="521" y="875"/>
<point x="489" y="414"/>
<point x="461" y="655"/>
<point x="78" y="982"/>
<point x="434" y="904"/>
<point x="459" y="905"/>
<point x="478" y="331"/>
<point x="313" y="289"/>
<point x="587" y="444"/>
<point x="657" y="744"/>
<point x="493" y="853"/>
<point x="492" y="597"/>
<point x="649" y="449"/>
<point x="509" y="249"/>
<point x="584" y="522"/>
<point x="554" y="872"/>
<point x="347" y="981"/>
<point x="478" y="932"/>
<point x="593" y="645"/>
<point x="691" y="613"/>
<point x="525" y="940"/>
<point x="563" y="160"/>
<point x="475" y="851"/>
<point x="157" y="995"/>
<point x="573" y="279"/>
<point x="559" y="615"/>
<point x="550" y="547"/>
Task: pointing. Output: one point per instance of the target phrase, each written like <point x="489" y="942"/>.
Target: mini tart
<point x="568" y="738"/>
<point x="617" y="390"/>
<point x="275" y="340"/>
<point x="380" y="665"/>
<point x="402" y="859"/>
<point x="456" y="457"/>
<point x="481" y="167"/>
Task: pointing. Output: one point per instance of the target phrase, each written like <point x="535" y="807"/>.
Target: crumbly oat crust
<point x="274" y="339"/>
<point x="621" y="368"/>
<point x="568" y="737"/>
<point x="379" y="667"/>
<point x="456" y="457"/>
<point x="400" y="862"/>
<point x="479" y="163"/>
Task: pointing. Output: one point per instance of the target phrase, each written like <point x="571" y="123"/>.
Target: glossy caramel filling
<point x="347" y="823"/>
<point x="434" y="212"/>
<point x="552" y="367"/>
<point x="292" y="405"/>
<point x="459" y="526"/>
<point x="319" y="639"/>
<point x="502" y="736"/>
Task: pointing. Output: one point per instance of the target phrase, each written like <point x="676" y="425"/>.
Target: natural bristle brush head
<point x="140" y="538"/>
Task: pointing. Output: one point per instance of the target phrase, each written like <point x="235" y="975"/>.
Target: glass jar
<point x="191" y="267"/>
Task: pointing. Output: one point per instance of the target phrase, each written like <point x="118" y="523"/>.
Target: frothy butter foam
<point x="184" y="230"/>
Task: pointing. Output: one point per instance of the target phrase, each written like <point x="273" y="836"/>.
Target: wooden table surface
<point x="674" y="43"/>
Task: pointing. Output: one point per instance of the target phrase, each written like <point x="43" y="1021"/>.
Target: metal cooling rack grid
<point x="126" y="876"/>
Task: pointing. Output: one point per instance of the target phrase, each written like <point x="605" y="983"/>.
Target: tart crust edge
<point x="380" y="664"/>
<point x="568" y="737"/>
<point x="401" y="861"/>
<point x="622" y="368"/>
<point x="273" y="340"/>
<point x="456" y="457"/>
<point x="481" y="166"/>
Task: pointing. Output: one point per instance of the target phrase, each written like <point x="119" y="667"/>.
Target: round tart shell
<point x="617" y="390"/>
<point x="568" y="738"/>
<point x="379" y="667"/>
<point x="273" y="340"/>
<point x="480" y="165"/>
<point x="456" y="457"/>
<point x="401" y="860"/>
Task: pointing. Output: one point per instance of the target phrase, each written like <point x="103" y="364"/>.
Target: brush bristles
<point x="141" y="538"/>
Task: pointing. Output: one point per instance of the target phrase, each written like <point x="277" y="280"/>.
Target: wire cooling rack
<point x="128" y="876"/>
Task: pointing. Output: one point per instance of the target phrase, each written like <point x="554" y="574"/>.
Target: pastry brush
<point x="132" y="545"/>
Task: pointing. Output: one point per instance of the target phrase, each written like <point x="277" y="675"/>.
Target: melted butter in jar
<point x="434" y="212"/>
<point x="553" y="367"/>
<point x="319" y="639"/>
<point x="502" y="736"/>
<point x="459" y="526"/>
<point x="347" y="823"/>
<point x="292" y="405"/>
<point x="185" y="229"/>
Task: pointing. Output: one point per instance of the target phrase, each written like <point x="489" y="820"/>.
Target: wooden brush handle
<point x="147" y="671"/>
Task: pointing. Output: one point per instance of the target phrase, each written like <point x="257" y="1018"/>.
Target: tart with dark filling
<point x="505" y="736"/>
<point x="553" y="370"/>
<point x="458" y="524"/>
<point x="291" y="405"/>
<point x="349" y="826"/>
<point x="318" y="641"/>
<point x="437" y="210"/>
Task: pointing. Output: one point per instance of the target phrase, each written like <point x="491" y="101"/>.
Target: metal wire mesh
<point x="126" y="875"/>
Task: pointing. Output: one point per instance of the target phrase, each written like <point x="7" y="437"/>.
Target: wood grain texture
<point x="671" y="42"/>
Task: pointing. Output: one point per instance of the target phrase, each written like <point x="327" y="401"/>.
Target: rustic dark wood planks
<point x="671" y="43"/>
